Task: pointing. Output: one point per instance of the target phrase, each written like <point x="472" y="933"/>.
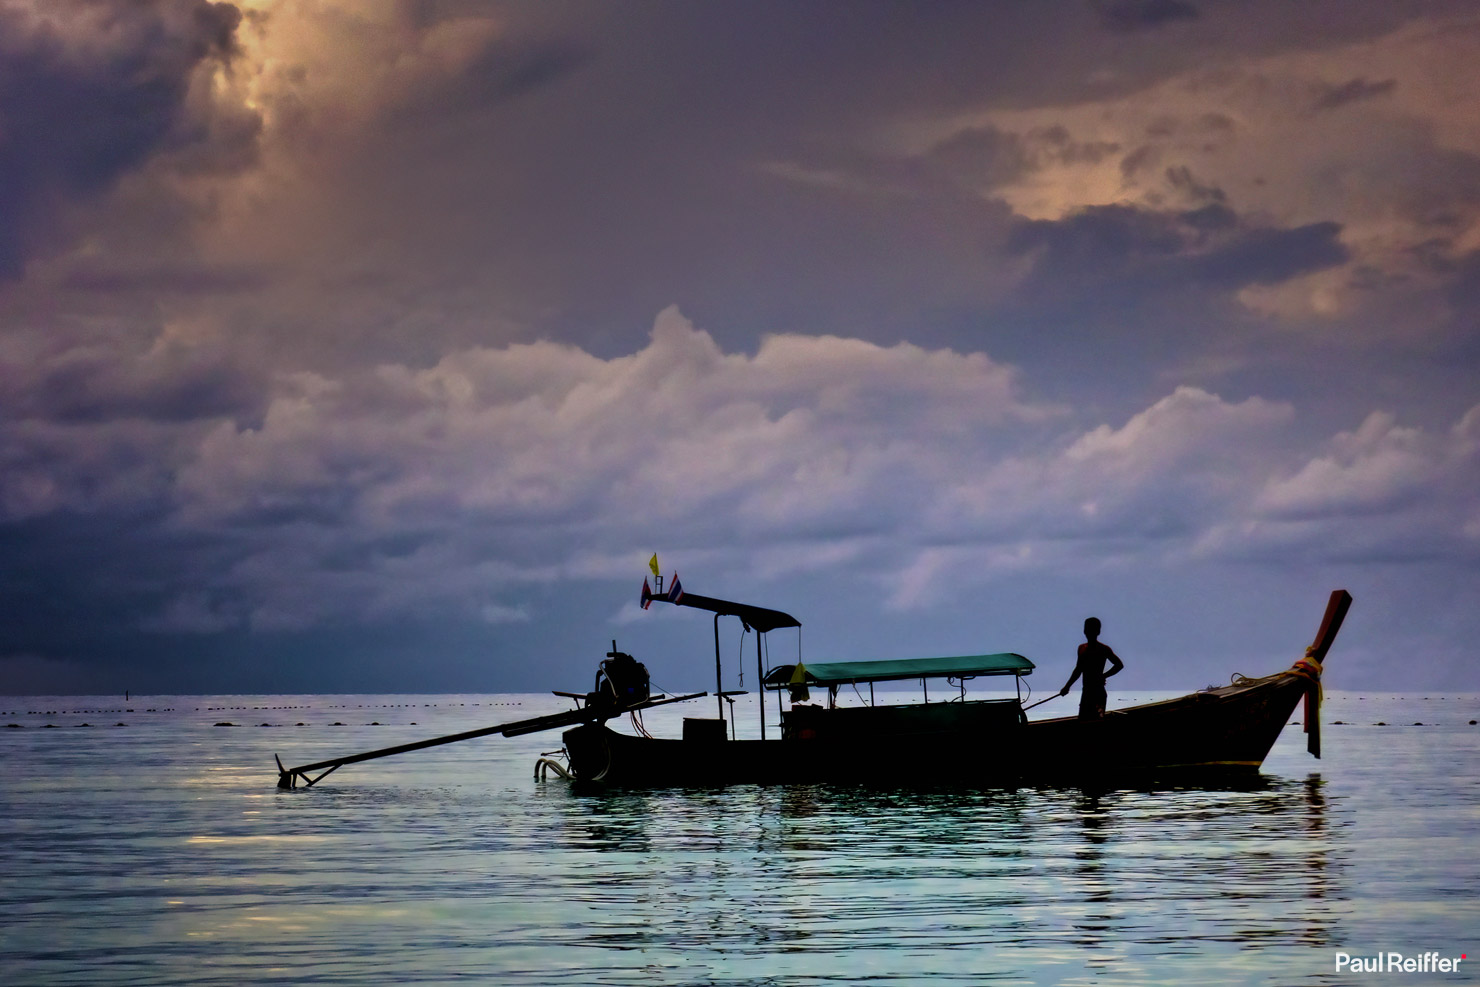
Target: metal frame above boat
<point x="901" y="669"/>
<point x="960" y="669"/>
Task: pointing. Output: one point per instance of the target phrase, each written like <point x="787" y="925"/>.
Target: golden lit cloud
<point x="1380" y="136"/>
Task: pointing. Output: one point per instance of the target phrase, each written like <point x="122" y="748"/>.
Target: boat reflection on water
<point x="1089" y="878"/>
<point x="1254" y="864"/>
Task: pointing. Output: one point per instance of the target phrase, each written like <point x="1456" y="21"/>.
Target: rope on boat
<point x="544" y="765"/>
<point x="740" y="652"/>
<point x="1309" y="666"/>
<point x="1240" y="679"/>
<point x="1306" y="667"/>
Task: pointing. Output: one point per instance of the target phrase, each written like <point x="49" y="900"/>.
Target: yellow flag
<point x="653" y="565"/>
<point x="799" y="691"/>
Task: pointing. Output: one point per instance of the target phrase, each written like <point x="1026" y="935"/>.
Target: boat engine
<point x="621" y="682"/>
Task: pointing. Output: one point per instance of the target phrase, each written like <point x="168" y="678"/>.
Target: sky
<point x="375" y="346"/>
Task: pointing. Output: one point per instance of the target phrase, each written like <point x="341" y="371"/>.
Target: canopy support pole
<point x="719" y="685"/>
<point x="760" y="678"/>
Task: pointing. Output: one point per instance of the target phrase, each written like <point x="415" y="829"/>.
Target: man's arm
<point x="1115" y="663"/>
<point x="1079" y="658"/>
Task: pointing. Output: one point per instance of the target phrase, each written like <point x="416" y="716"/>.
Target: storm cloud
<point x="1138" y="252"/>
<point x="88" y="93"/>
<point x="367" y="345"/>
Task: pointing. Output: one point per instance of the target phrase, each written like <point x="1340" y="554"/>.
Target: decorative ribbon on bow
<point x="1310" y="668"/>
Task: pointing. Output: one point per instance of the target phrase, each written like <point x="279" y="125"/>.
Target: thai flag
<point x="675" y="591"/>
<point x="647" y="594"/>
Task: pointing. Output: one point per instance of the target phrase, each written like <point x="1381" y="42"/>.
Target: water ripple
<point x="163" y="854"/>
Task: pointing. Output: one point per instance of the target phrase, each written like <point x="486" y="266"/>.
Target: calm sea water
<point x="160" y="852"/>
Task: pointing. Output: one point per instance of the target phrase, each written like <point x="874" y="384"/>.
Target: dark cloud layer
<point x="1138" y="15"/>
<point x="78" y="114"/>
<point x="1138" y="254"/>
<point x="337" y="346"/>
<point x="1353" y="91"/>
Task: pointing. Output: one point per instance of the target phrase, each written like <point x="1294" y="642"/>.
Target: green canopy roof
<point x="835" y="672"/>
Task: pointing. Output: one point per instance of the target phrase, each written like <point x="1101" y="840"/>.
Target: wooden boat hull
<point x="1214" y="732"/>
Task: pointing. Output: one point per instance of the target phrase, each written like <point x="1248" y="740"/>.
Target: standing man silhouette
<point x="1093" y="654"/>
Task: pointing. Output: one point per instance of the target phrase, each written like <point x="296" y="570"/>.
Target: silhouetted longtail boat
<point x="1218" y="731"/>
